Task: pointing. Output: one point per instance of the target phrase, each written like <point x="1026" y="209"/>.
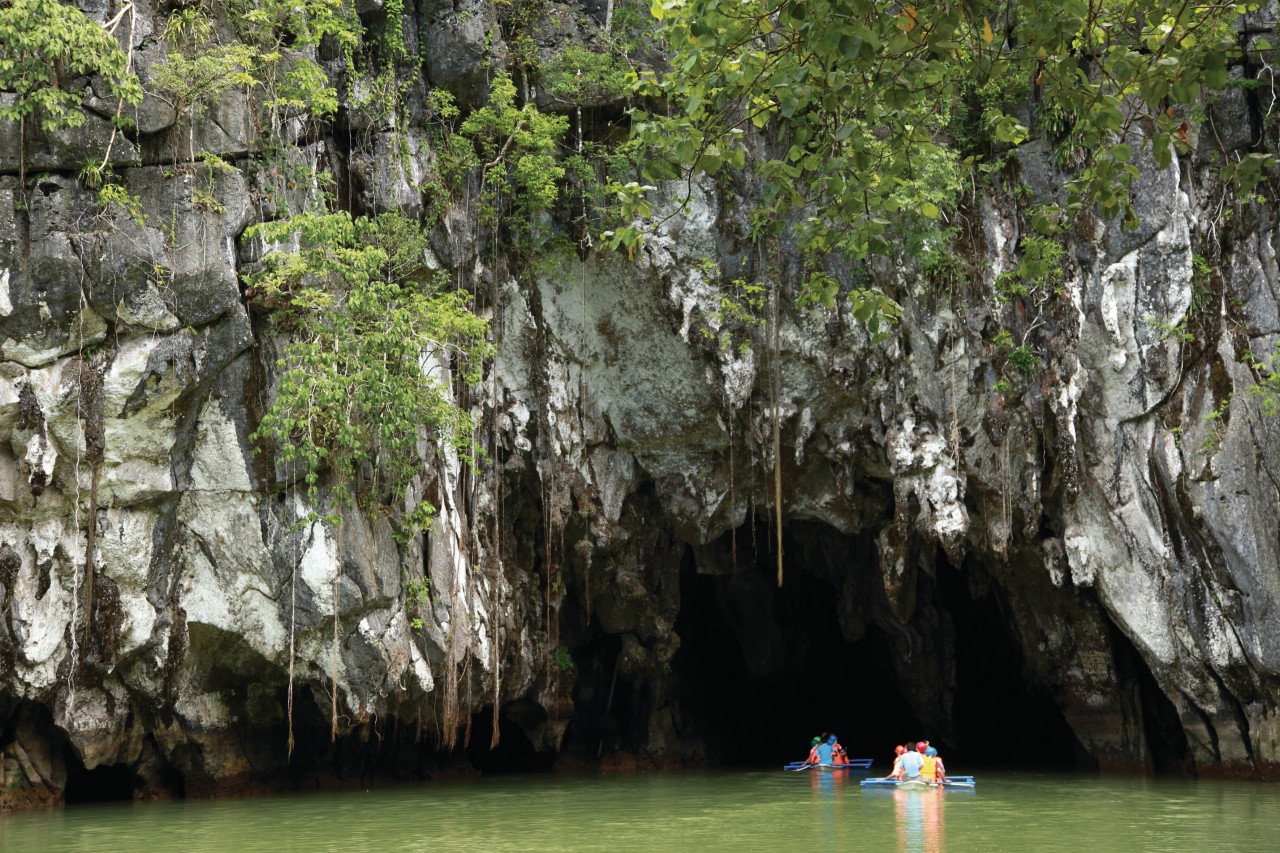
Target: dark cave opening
<point x="515" y="753"/>
<point x="1170" y="752"/>
<point x="103" y="784"/>
<point x="795" y="677"/>
<point x="1003" y="716"/>
<point x="762" y="670"/>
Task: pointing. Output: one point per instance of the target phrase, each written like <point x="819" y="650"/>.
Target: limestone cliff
<point x="1120" y="500"/>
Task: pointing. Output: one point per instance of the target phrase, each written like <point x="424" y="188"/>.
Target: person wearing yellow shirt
<point x="931" y="768"/>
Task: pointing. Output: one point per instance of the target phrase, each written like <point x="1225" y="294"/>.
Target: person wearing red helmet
<point x="898" y="752"/>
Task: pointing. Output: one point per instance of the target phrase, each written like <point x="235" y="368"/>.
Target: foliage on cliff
<point x="865" y="119"/>
<point x="375" y="337"/>
<point x="45" y="46"/>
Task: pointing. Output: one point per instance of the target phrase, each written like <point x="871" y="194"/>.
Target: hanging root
<point x="777" y="438"/>
<point x="333" y="719"/>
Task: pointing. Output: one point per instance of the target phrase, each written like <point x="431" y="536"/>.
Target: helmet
<point x="899" y="750"/>
<point x="921" y="746"/>
<point x="831" y="739"/>
<point x="815" y="741"/>
<point x="931" y="751"/>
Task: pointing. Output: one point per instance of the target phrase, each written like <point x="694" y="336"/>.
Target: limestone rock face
<point x="167" y="606"/>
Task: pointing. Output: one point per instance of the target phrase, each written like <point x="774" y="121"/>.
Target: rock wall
<point x="158" y="596"/>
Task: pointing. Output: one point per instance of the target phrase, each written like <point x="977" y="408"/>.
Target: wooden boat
<point x="853" y="764"/>
<point x="920" y="784"/>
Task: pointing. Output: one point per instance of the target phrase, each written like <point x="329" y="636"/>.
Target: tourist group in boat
<point x="913" y="767"/>
<point x="922" y="764"/>
<point x="825" y="750"/>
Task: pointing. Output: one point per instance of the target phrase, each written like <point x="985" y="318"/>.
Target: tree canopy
<point x="859" y="114"/>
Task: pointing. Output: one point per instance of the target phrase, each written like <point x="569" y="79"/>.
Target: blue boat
<point x="920" y="784"/>
<point x="854" y="764"/>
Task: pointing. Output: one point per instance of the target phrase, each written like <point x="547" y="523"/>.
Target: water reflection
<point x="920" y="820"/>
<point x="827" y="787"/>
<point x="699" y="812"/>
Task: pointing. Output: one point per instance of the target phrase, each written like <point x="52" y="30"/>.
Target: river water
<point x="683" y="812"/>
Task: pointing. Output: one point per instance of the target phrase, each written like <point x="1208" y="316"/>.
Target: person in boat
<point x="813" y="751"/>
<point x="929" y="766"/>
<point x="838" y="756"/>
<point x="939" y="770"/>
<point x="912" y="762"/>
<point x="898" y="752"/>
<point x="825" y="749"/>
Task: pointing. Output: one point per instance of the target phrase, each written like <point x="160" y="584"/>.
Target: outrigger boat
<point x="920" y="784"/>
<point x="853" y="764"/>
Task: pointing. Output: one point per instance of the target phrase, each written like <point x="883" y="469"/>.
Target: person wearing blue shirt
<point x="913" y="761"/>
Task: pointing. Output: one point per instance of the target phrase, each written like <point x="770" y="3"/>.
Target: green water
<point x="683" y="812"/>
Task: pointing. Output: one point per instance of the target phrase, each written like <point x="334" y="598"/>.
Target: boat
<point x="920" y="784"/>
<point x="853" y="764"/>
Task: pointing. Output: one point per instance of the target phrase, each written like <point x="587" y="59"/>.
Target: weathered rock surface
<point x="158" y="595"/>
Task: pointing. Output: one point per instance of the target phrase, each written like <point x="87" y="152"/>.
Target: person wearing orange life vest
<point x="838" y="755"/>
<point x="813" y="751"/>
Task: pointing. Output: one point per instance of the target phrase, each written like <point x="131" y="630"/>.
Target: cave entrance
<point x="1003" y="716"/>
<point x="763" y="670"/>
<point x="103" y="784"/>
<point x="515" y="752"/>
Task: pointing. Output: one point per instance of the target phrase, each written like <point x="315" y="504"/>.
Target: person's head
<point x="815" y="741"/>
<point x="930" y="751"/>
<point x="899" y="749"/>
<point x="921" y="746"/>
<point x="832" y="740"/>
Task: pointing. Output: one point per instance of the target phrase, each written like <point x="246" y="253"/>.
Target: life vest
<point x="839" y="756"/>
<point x="813" y="757"/>
<point x="929" y="769"/>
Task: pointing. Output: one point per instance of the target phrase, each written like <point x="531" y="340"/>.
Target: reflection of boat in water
<point x="852" y="764"/>
<point x="920" y="827"/>
<point x="920" y="784"/>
